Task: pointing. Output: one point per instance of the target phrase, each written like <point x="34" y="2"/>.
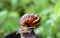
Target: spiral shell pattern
<point x="30" y="20"/>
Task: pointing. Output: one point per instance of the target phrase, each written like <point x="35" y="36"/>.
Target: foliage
<point x="12" y="10"/>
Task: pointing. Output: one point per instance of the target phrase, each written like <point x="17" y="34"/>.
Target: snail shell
<point x="30" y="20"/>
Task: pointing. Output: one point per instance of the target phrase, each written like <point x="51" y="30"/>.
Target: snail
<point x="28" y="22"/>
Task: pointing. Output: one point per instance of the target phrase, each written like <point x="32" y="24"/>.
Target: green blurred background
<point x="12" y="10"/>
